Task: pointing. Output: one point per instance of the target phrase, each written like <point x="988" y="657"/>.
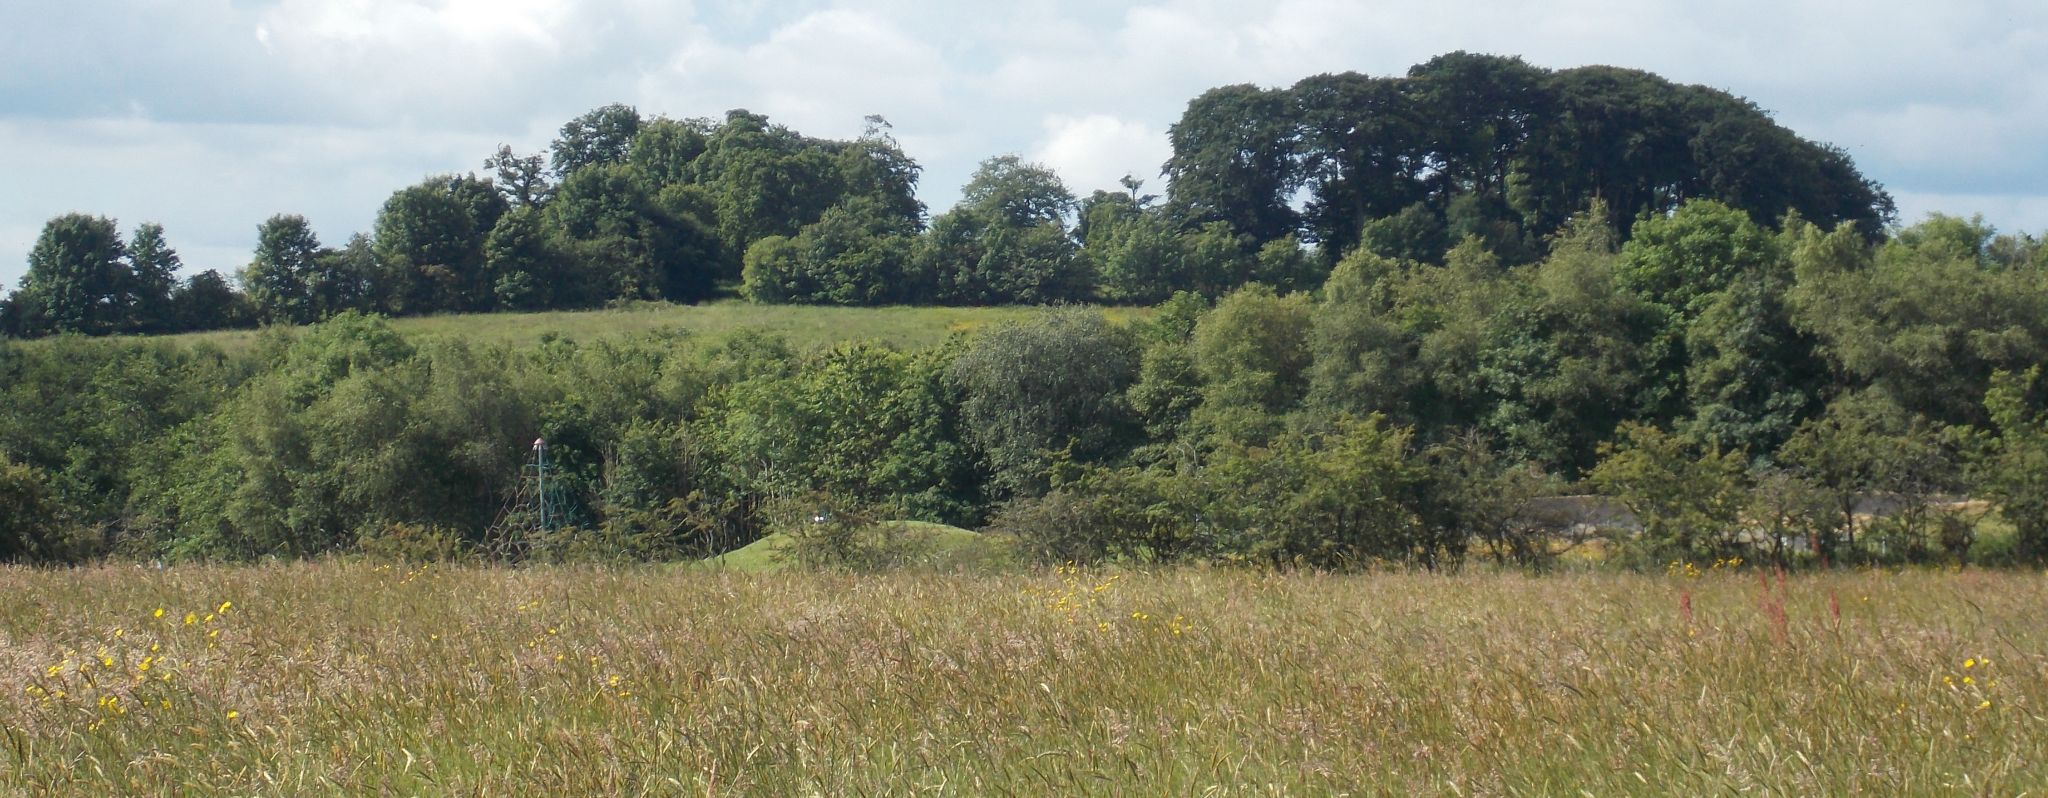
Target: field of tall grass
<point x="355" y="678"/>
<point x="805" y="327"/>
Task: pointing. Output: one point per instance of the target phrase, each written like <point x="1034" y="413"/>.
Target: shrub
<point x="404" y="542"/>
<point x="33" y="524"/>
<point x="821" y="531"/>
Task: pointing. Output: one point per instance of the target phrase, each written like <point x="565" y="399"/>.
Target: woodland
<point x="1386" y="319"/>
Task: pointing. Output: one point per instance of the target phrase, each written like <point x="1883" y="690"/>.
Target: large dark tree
<point x="430" y="237"/>
<point x="765" y="179"/>
<point x="1362" y="155"/>
<point x="628" y="246"/>
<point x="1233" y="160"/>
<point x="1490" y="146"/>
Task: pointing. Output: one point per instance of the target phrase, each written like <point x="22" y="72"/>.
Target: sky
<point x="209" y="116"/>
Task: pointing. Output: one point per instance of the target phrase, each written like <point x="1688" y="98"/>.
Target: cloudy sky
<point x="210" y="115"/>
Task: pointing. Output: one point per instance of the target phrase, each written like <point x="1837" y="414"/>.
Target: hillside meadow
<point x="805" y="327"/>
<point x="341" y="677"/>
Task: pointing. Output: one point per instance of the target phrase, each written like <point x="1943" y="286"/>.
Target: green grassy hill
<point x="937" y="546"/>
<point x="803" y="326"/>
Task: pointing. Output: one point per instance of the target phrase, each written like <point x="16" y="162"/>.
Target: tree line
<point x="1267" y="185"/>
<point x="1744" y="391"/>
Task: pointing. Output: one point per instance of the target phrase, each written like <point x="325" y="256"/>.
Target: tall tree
<point x="522" y="179"/>
<point x="206" y="301"/>
<point x="1362" y="155"/>
<point x="78" y="279"/>
<point x="874" y="166"/>
<point x="1480" y="110"/>
<point x="525" y="269"/>
<point x="154" y="266"/>
<point x="430" y="237"/>
<point x="856" y="254"/>
<point x="601" y="135"/>
<point x="665" y="149"/>
<point x="765" y="179"/>
<point x="1006" y="242"/>
<point x="282" y="279"/>
<point x="1233" y="161"/>
<point x="628" y="245"/>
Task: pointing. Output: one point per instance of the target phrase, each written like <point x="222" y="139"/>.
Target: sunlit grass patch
<point x="804" y="326"/>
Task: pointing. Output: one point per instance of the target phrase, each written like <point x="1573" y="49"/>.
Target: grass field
<point x="352" y="678"/>
<point x="804" y="326"/>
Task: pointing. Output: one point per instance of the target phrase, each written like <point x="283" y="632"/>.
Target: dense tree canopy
<point x="1486" y="145"/>
<point x="1390" y="313"/>
<point x="1268" y="185"/>
<point x="1405" y="411"/>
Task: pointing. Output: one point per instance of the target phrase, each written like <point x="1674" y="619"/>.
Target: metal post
<point x="540" y="468"/>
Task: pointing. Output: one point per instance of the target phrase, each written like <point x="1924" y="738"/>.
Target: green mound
<point x="932" y="545"/>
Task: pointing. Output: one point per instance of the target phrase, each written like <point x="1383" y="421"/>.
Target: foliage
<point x="1689" y="503"/>
<point x="599" y="136"/>
<point x="1918" y="318"/>
<point x="1252" y="352"/>
<point x="1489" y="146"/>
<point x="1396" y="314"/>
<point x="855" y="254"/>
<point x="431" y="241"/>
<point x="1054" y="384"/>
<point x="1007" y="241"/>
<point x="33" y="525"/>
<point x="414" y="543"/>
<point x="820" y="531"/>
<point x="1268" y="185"/>
<point x="2015" y="472"/>
<point x="78" y="280"/>
<point x="284" y="281"/>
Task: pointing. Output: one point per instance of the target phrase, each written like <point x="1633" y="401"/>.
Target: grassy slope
<point x="942" y="544"/>
<point x="349" y="679"/>
<point x="804" y="326"/>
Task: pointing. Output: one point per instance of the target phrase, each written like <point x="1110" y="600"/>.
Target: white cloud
<point x="225" y="111"/>
<point x="2010" y="213"/>
<point x="210" y="185"/>
<point x="822" y="74"/>
<point x="390" y="58"/>
<point x="1094" y="152"/>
